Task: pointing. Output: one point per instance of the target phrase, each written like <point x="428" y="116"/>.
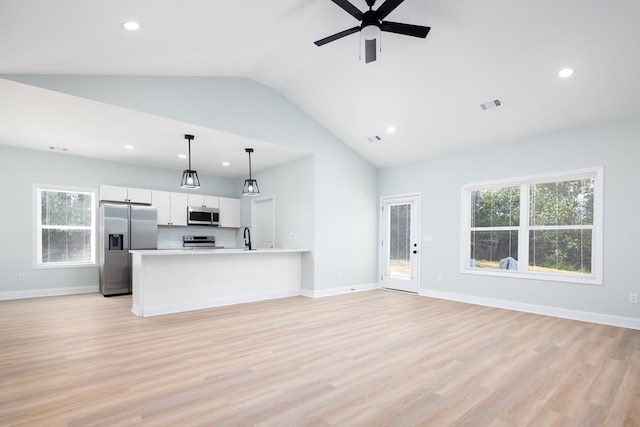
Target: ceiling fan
<point x="371" y="24"/>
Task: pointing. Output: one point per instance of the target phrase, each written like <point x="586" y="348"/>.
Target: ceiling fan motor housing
<point x="371" y="27"/>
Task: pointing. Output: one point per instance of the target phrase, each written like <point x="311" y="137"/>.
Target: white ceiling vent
<point x="374" y="138"/>
<point x="491" y="104"/>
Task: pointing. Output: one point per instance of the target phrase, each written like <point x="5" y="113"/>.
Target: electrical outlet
<point x="21" y="276"/>
<point x="633" y="298"/>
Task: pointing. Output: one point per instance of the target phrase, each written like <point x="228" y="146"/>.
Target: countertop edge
<point x="165" y="252"/>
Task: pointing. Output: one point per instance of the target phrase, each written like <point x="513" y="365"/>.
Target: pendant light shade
<point x="190" y="177"/>
<point x="250" y="185"/>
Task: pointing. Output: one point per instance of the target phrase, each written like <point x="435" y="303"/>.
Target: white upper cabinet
<point x="171" y="207"/>
<point x="201" y="200"/>
<point x="125" y="194"/>
<point x="230" y="212"/>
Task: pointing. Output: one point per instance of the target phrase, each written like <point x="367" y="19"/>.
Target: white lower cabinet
<point x="230" y="212"/>
<point x="172" y="207"/>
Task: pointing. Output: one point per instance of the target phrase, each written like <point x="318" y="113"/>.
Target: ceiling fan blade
<point x="349" y="8"/>
<point x="337" y="36"/>
<point x="369" y="51"/>
<point x="387" y="7"/>
<point x="405" y="29"/>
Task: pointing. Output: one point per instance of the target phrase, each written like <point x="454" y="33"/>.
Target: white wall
<point x="292" y="186"/>
<point x="614" y="145"/>
<point x="345" y="204"/>
<point x="20" y="169"/>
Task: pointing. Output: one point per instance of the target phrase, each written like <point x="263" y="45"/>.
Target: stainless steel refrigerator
<point x="123" y="227"/>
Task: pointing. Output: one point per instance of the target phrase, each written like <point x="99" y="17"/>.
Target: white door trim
<point x="415" y="199"/>
<point x="254" y="222"/>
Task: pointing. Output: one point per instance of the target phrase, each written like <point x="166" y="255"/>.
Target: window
<point x="545" y="227"/>
<point x="65" y="227"/>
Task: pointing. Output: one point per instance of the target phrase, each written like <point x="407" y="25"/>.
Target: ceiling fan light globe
<point x="370" y="32"/>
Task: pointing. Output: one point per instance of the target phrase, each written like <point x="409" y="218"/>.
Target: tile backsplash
<point x="171" y="237"/>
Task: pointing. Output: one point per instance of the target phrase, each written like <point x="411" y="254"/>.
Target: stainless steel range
<point x="200" y="242"/>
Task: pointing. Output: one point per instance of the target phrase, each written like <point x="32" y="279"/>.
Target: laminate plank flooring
<point x="376" y="358"/>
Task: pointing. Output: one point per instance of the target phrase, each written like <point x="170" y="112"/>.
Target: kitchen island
<point x="176" y="280"/>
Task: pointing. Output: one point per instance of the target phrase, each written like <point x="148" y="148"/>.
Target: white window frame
<point x="596" y="276"/>
<point x="37" y="226"/>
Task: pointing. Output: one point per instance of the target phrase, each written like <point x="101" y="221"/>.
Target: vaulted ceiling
<point x="429" y="89"/>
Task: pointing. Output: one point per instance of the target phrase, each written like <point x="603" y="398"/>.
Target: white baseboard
<point x="564" y="313"/>
<point x="338" y="291"/>
<point x="53" y="292"/>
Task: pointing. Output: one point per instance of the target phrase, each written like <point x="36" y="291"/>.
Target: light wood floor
<point x="363" y="359"/>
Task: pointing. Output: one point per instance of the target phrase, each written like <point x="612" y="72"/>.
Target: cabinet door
<point x="113" y="193"/>
<point x="230" y="212"/>
<point x="195" y="200"/>
<point x="139" y="195"/>
<point x="211" y="201"/>
<point x="179" y="208"/>
<point x="162" y="201"/>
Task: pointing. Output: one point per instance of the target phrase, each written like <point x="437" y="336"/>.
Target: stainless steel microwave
<point x="200" y="215"/>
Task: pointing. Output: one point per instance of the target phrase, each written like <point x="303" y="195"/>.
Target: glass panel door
<point x="400" y="250"/>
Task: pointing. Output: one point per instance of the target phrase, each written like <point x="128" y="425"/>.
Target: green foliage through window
<point x="66" y="227"/>
<point x="549" y="223"/>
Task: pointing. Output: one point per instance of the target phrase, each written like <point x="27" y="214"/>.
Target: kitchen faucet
<point x="247" y="233"/>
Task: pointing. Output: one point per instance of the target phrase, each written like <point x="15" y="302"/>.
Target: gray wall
<point x="20" y="169"/>
<point x="345" y="191"/>
<point x="614" y="145"/>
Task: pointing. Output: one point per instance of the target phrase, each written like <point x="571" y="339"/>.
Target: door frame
<point x="416" y="216"/>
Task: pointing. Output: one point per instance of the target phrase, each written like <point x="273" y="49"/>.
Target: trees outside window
<point x="546" y="227"/>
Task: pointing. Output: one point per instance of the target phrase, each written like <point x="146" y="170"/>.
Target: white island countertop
<point x="175" y="280"/>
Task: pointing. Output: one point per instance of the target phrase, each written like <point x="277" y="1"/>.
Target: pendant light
<point x="250" y="185"/>
<point x="189" y="176"/>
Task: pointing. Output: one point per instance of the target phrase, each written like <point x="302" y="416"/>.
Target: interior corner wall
<point x="345" y="191"/>
<point x="292" y="188"/>
<point x="613" y="145"/>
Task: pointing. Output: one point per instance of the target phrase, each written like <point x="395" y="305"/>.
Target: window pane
<point x="488" y="248"/>
<point x="562" y="203"/>
<point x="66" y="246"/>
<point x="495" y="207"/>
<point x="560" y="251"/>
<point x="66" y="208"/>
<point x="400" y="241"/>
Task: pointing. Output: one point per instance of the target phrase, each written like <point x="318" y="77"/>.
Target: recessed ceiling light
<point x="182" y="156"/>
<point x="225" y="163"/>
<point x="129" y="147"/>
<point x="565" y="72"/>
<point x="391" y="129"/>
<point x="131" y="25"/>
